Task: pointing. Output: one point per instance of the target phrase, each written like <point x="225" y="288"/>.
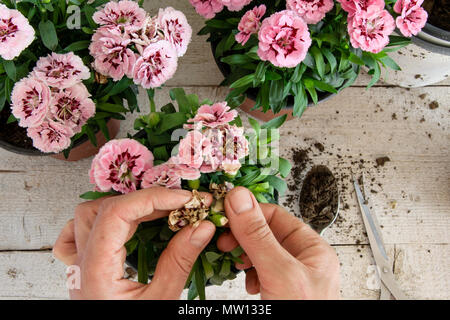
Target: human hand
<point x="285" y="258"/>
<point x="95" y="240"/>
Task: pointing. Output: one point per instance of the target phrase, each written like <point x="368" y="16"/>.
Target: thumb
<point x="250" y="228"/>
<point x="177" y="260"/>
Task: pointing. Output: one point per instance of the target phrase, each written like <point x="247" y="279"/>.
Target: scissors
<point x="389" y="287"/>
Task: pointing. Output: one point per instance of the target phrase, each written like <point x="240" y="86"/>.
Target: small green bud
<point x="153" y="119"/>
<point x="43" y="10"/>
<point x="218" y="220"/>
<point x="194" y="184"/>
<point x="46" y="1"/>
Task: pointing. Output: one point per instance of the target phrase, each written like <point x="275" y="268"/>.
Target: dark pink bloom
<point x="163" y="175"/>
<point x="16" y="33"/>
<point x="250" y="23"/>
<point x="370" y="30"/>
<point x="124" y="14"/>
<point x="353" y="6"/>
<point x="284" y="39"/>
<point x="50" y="136"/>
<point x="120" y="165"/>
<point x="235" y="5"/>
<point x="213" y="116"/>
<point x="176" y="29"/>
<point x="412" y="17"/>
<point x="30" y="101"/>
<point x="312" y="11"/>
<point x="207" y="8"/>
<point x="61" y="70"/>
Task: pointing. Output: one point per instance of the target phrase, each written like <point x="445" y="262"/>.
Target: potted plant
<point x="281" y="56"/>
<point x="427" y="60"/>
<point x="66" y="70"/>
<point x="200" y="146"/>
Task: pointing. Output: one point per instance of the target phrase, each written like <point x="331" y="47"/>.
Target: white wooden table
<point x="410" y="194"/>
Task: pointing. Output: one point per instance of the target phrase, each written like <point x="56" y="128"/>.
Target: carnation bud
<point x="153" y="119"/>
<point x="194" y="184"/>
<point x="218" y="220"/>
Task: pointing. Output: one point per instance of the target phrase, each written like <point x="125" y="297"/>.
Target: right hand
<point x="284" y="257"/>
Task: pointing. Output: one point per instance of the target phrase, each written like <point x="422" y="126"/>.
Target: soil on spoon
<point x="438" y="13"/>
<point x="319" y="199"/>
<point x="12" y="133"/>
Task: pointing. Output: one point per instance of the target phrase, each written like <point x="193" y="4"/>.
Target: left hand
<point x="95" y="240"/>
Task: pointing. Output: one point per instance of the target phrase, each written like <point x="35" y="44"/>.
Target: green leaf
<point x="103" y="128"/>
<point x="160" y="153"/>
<point x="324" y="86"/>
<point x="207" y="267"/>
<point x="142" y="263"/>
<point x="275" y="123"/>
<point x="255" y="125"/>
<point x="276" y="94"/>
<point x="375" y="76"/>
<point x="225" y="268"/>
<point x="120" y="86"/>
<point x="77" y="46"/>
<point x="131" y="245"/>
<point x="236" y="59"/>
<point x="300" y="100"/>
<point x="236" y="252"/>
<point x="309" y="84"/>
<point x="192" y="293"/>
<point x="148" y="234"/>
<point x="200" y="281"/>
<point x="388" y="61"/>
<point x="355" y="59"/>
<point x="2" y="101"/>
<point x="170" y="121"/>
<point x="330" y="58"/>
<point x="298" y="72"/>
<point x="285" y="167"/>
<point x="279" y="184"/>
<point x="11" y="119"/>
<point x="93" y="195"/>
<point x="270" y="75"/>
<point x="110" y="107"/>
<point x="8" y="89"/>
<point x="318" y="58"/>
<point x="179" y="95"/>
<point x="10" y="69"/>
<point x="90" y="133"/>
<point x="48" y="34"/>
<point x="212" y="256"/>
<point x="242" y="81"/>
<point x="89" y="12"/>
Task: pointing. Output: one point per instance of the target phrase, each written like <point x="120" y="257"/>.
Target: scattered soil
<point x="319" y="146"/>
<point x="438" y="13"/>
<point x="422" y="96"/>
<point x="434" y="105"/>
<point x="382" y="160"/>
<point x="319" y="198"/>
<point x="12" y="133"/>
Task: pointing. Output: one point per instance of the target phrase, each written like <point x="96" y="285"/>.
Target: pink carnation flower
<point x="162" y="175"/>
<point x="61" y="70"/>
<point x="250" y="23"/>
<point x="72" y="107"/>
<point x="213" y="160"/>
<point x="176" y="29"/>
<point x="353" y="6"/>
<point x="235" y="5"/>
<point x="157" y="64"/>
<point x="370" y="30"/>
<point x="30" y="101"/>
<point x="192" y="149"/>
<point x="183" y="171"/>
<point x="50" y="136"/>
<point x="207" y="8"/>
<point x="312" y="11"/>
<point x="213" y="116"/>
<point x="283" y="39"/>
<point x="124" y="14"/>
<point x="112" y="56"/>
<point x="120" y="165"/>
<point x="412" y="17"/>
<point x="16" y="34"/>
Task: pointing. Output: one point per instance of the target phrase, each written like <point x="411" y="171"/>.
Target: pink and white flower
<point x="120" y="165"/>
<point x="412" y="16"/>
<point x="192" y="149"/>
<point x="124" y="15"/>
<point x="157" y="64"/>
<point x="284" y="39"/>
<point x="183" y="171"/>
<point x="50" y="136"/>
<point x="72" y="107"/>
<point x="353" y="6"/>
<point x="163" y="175"/>
<point x="213" y="116"/>
<point x="30" y="101"/>
<point x="16" y="33"/>
<point x="176" y="29"/>
<point x="235" y="5"/>
<point x="207" y="8"/>
<point x="250" y="23"/>
<point x="61" y="70"/>
<point x="370" y="30"/>
<point x="213" y="160"/>
<point x="113" y="57"/>
<point x="312" y="11"/>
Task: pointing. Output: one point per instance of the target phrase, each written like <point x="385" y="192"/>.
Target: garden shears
<point x="389" y="287"/>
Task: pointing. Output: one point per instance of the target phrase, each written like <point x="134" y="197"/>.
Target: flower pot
<point x="424" y="62"/>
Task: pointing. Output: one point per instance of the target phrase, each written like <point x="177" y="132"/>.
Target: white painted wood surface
<point x="38" y="194"/>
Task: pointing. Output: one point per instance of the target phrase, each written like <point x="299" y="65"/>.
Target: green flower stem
<point x="218" y="220"/>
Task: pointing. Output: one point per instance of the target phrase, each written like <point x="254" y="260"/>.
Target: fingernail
<point x="241" y="200"/>
<point x="201" y="235"/>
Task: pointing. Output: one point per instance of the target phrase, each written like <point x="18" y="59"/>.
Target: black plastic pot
<point x="433" y="39"/>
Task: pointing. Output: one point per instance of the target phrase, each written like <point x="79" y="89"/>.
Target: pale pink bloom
<point x="370" y="30"/>
<point x="124" y="15"/>
<point x="162" y="175"/>
<point x="235" y="144"/>
<point x="148" y="34"/>
<point x="250" y="23"/>
<point x="207" y="8"/>
<point x="353" y="6"/>
<point x="50" y="136"/>
<point x="312" y="11"/>
<point x="120" y="165"/>
<point x="192" y="149"/>
<point x="30" y="101"/>
<point x="213" y="160"/>
<point x="412" y="17"/>
<point x="213" y="116"/>
<point x="157" y="64"/>
<point x="183" y="171"/>
<point x="16" y="34"/>
<point x="61" y="70"/>
<point x="72" y="107"/>
<point x="235" y="5"/>
<point x="284" y="39"/>
<point x="176" y="29"/>
<point x="113" y="57"/>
